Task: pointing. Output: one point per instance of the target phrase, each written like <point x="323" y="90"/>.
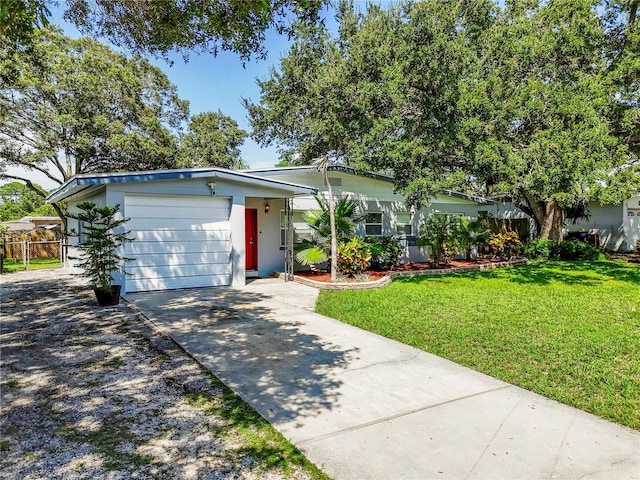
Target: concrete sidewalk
<point x="361" y="406"/>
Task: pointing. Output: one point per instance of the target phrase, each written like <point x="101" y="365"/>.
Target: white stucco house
<point x="211" y="226"/>
<point x="614" y="227"/>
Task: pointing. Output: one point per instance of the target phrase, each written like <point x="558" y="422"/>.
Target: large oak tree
<point x="79" y="107"/>
<point x="538" y="101"/>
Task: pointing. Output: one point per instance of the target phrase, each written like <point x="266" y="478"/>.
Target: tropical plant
<point x="384" y="252"/>
<point x="102" y="238"/>
<point x="574" y="250"/>
<point x="354" y="256"/>
<point x="438" y="234"/>
<point x="468" y="233"/>
<point x="318" y="248"/>
<point x="537" y="248"/>
<point x="505" y="244"/>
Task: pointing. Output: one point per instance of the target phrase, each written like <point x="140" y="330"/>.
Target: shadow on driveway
<point x="255" y="346"/>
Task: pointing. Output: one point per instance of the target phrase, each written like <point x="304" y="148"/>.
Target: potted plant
<point x="101" y="243"/>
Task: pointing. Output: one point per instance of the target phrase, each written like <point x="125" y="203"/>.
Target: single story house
<point x="211" y="226"/>
<point x="614" y="227"/>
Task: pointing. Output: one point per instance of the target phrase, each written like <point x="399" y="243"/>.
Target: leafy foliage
<point x="161" y="26"/>
<point x="470" y="233"/>
<point x="102" y="237"/>
<point x="537" y="100"/>
<point x="17" y="201"/>
<point x="384" y="252"/>
<point x="438" y="234"/>
<point x="354" y="256"/>
<point x="318" y="249"/>
<point x="505" y="244"/>
<point x="86" y="109"/>
<point x="19" y="19"/>
<point x="537" y="248"/>
<point x="212" y="140"/>
<point x="574" y="250"/>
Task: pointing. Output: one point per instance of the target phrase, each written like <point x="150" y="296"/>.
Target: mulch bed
<point x="372" y="275"/>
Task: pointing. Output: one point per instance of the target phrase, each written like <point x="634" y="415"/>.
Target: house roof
<point x="352" y="171"/>
<point x="79" y="183"/>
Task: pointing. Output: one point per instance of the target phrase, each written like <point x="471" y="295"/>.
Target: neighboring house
<point x="614" y="227"/>
<point x="31" y="223"/>
<point x="18" y="225"/>
<point x="211" y="226"/>
<point x="48" y="223"/>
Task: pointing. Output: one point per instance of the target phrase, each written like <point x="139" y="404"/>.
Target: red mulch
<point x="378" y="274"/>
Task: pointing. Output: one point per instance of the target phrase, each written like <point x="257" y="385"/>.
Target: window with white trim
<point x="301" y="229"/>
<point x="404" y="223"/>
<point x="373" y="224"/>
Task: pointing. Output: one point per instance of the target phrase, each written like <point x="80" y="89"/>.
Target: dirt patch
<point x="90" y="392"/>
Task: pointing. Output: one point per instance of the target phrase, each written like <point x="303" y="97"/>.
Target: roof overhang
<point x="376" y="176"/>
<point x="80" y="183"/>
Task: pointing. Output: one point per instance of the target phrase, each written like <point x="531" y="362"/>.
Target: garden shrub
<point x="353" y="256"/>
<point x="574" y="250"/>
<point x="384" y="252"/>
<point x="538" y="248"/>
<point x="505" y="244"/>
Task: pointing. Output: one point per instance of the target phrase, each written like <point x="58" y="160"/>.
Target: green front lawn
<point x="569" y="331"/>
<point x="16" y="265"/>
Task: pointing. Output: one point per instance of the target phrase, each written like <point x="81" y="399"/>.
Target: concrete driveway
<point x="361" y="406"/>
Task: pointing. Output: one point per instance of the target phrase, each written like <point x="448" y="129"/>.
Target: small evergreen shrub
<point x="354" y="256"/>
<point x="574" y="250"/>
<point x="538" y="248"/>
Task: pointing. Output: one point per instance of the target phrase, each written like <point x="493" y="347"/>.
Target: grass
<point x="567" y="330"/>
<point x="15" y="265"/>
<point x="255" y="436"/>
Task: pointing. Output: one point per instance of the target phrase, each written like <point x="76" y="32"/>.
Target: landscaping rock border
<point x="412" y="273"/>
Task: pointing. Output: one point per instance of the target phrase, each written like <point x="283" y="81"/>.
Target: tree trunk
<point x="332" y="222"/>
<point x="548" y="215"/>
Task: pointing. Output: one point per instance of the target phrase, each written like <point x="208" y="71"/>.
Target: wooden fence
<point x="25" y="250"/>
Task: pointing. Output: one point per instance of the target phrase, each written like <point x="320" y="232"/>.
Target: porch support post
<point x="238" y="254"/>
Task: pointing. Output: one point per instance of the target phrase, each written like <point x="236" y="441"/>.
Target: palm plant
<point x="437" y="234"/>
<point x="318" y="248"/>
<point x="468" y="233"/>
<point x="322" y="164"/>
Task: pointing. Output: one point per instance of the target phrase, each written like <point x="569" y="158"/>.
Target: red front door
<point x="251" y="237"/>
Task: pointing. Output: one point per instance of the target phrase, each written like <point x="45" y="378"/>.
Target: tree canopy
<point x="79" y="107"/>
<point x="17" y="201"/>
<point x="161" y="26"/>
<point x="212" y="140"/>
<point x="536" y="100"/>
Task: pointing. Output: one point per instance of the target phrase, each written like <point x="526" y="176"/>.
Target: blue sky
<point x="217" y="83"/>
<point x="213" y="83"/>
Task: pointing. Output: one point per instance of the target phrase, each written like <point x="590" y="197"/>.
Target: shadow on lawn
<point x="570" y="273"/>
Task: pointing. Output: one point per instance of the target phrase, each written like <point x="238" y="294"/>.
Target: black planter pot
<point x="106" y="298"/>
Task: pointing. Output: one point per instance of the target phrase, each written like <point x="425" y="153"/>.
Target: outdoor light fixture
<point x="267" y="207"/>
<point x="212" y="187"/>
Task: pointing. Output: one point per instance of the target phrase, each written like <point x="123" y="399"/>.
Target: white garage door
<point x="180" y="242"/>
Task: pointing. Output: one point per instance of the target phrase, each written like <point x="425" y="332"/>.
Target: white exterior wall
<point x="270" y="257"/>
<point x="607" y="222"/>
<point x="631" y="221"/>
<point x="374" y="195"/>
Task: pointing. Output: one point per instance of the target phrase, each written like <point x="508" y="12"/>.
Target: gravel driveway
<point x="90" y="392"/>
